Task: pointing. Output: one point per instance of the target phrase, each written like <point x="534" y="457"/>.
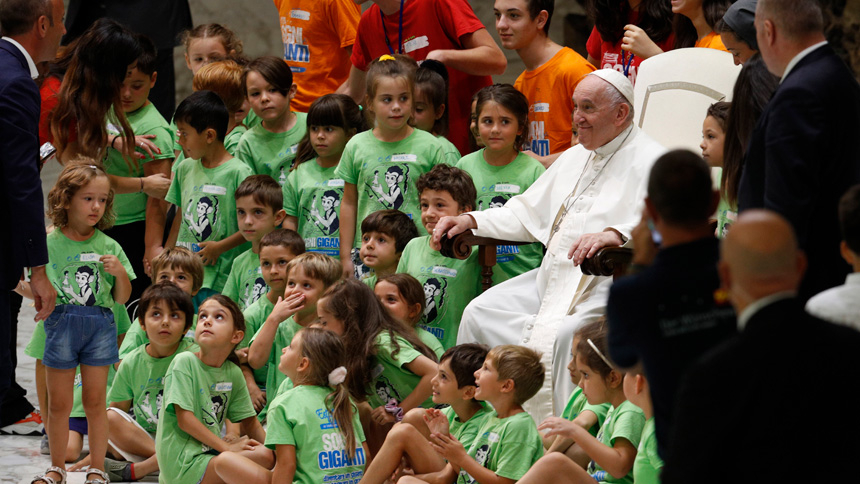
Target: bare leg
<point x="230" y="468"/>
<point x="94" y="380"/>
<point x="415" y="418"/>
<point x="556" y="468"/>
<point x="42" y="393"/>
<point x="577" y="455"/>
<point x="60" y="384"/>
<point x="129" y="437"/>
<point x="74" y="446"/>
<point x="403" y="440"/>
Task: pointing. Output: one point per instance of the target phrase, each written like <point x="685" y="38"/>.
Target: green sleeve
<point x="120" y="318"/>
<point x="629" y="426"/>
<point x="241" y="407"/>
<point x="243" y="149"/>
<point x="134" y="337"/>
<point x="163" y="141"/>
<point x="231" y="287"/>
<point x="174" y="193"/>
<point x="121" y="390"/>
<point x="348" y="168"/>
<point x="516" y="451"/>
<point x="407" y="354"/>
<point x="179" y="383"/>
<point x="279" y="430"/>
<point x="291" y="193"/>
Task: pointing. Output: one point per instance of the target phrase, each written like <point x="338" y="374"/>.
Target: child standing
<point x="312" y="193"/>
<point x="201" y="390"/>
<point x="384" y="235"/>
<point x="259" y="211"/>
<point x="500" y="170"/>
<point x="403" y="297"/>
<point x="91" y="273"/>
<point x="449" y="284"/>
<point x="431" y="96"/>
<point x="713" y="142"/>
<point x="314" y="428"/>
<point x="379" y="167"/>
<point x="205" y="221"/>
<point x="270" y="148"/>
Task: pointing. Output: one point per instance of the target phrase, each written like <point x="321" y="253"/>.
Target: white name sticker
<point x="507" y="188"/>
<point x="493" y="437"/>
<point x="541" y="107"/>
<point x="294" y="148"/>
<point x="336" y="182"/>
<point x="90" y="257"/>
<point x="416" y="43"/>
<point x="444" y="271"/>
<point x="112" y="128"/>
<point x="374" y="374"/>
<point x="404" y="157"/>
<point x="224" y="386"/>
<point x="300" y="14"/>
<point x="214" y="189"/>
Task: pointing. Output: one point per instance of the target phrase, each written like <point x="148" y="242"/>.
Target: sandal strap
<point x="58" y="470"/>
<point x="43" y="478"/>
<point x="102" y="479"/>
<point x="50" y="480"/>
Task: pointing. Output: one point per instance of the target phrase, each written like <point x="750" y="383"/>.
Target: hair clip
<point x="94" y="167"/>
<point x="605" y="359"/>
<point x="337" y="376"/>
<point x="386" y="57"/>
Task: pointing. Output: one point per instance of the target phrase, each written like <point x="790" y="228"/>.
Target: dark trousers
<point x="163" y="95"/>
<point x="131" y="238"/>
<point x="15" y="405"/>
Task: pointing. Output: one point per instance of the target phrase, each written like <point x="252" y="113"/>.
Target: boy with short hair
<point x="259" y="210"/>
<point x="307" y="277"/>
<point x="179" y="266"/>
<point x="384" y="235"/>
<point x="140" y="219"/>
<point x="841" y="304"/>
<point x="276" y="249"/>
<point x="449" y="284"/>
<point x="224" y="78"/>
<point x="202" y="189"/>
<point x="551" y="75"/>
<point x="454" y="385"/>
<point x="508" y="443"/>
<point x="648" y="465"/>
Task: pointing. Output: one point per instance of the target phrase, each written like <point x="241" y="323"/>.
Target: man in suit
<point x="802" y="155"/>
<point x="31" y="32"/>
<point x="773" y="404"/>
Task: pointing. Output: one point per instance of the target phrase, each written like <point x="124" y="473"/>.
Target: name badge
<point x="404" y="157"/>
<point x="294" y="149"/>
<point x="444" y="271"/>
<point x="300" y="14"/>
<point x="415" y="44"/>
<point x="90" y="257"/>
<point x="374" y="374"/>
<point x="336" y="182"/>
<point x="541" y="107"/>
<point x="507" y="188"/>
<point x="112" y="128"/>
<point x="224" y="386"/>
<point x="214" y="189"/>
<point x="493" y="437"/>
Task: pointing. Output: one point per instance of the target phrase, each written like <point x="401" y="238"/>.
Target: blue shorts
<point x="80" y="335"/>
<point x="79" y="425"/>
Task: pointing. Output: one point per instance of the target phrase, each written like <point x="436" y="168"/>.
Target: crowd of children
<point x="299" y="327"/>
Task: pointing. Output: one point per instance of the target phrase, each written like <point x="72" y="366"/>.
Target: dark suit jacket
<point x="777" y="403"/>
<point x="803" y="156"/>
<point x="22" y="214"/>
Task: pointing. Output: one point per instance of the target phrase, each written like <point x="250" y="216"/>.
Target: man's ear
<point x="847" y="254"/>
<point x="651" y="211"/>
<point x="622" y="115"/>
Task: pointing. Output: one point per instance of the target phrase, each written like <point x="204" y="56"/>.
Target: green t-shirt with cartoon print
<point x="299" y="417"/>
<point x="283" y="337"/>
<point x="385" y="173"/>
<point x="207" y="210"/>
<point x="449" y="285"/>
<point x="625" y="421"/>
<point x="269" y="153"/>
<point x="431" y="341"/>
<point x="313" y="194"/>
<point x="389" y="376"/>
<point x="577" y="403"/>
<point x="140" y="378"/>
<point x="255" y="316"/>
<point x="465" y="432"/>
<point x="495" y="186"/>
<point x="507" y="446"/>
<point x="245" y="284"/>
<point x="212" y="395"/>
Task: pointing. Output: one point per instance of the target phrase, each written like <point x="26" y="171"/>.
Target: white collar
<point x="757" y="305"/>
<point x="615" y="144"/>
<point x="34" y="73"/>
<point x="800" y="55"/>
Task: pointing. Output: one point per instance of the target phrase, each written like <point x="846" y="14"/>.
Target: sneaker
<point x="44" y="448"/>
<point x="117" y="470"/>
<point x="29" y="425"/>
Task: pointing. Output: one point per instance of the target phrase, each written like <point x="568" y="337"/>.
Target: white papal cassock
<point x="543" y="307"/>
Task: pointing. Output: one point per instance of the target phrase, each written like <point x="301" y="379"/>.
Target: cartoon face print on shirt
<point x="435" y="290"/>
<point x="323" y="214"/>
<point x="80" y="284"/>
<point x="201" y="216"/>
<point x="385" y="390"/>
<point x="151" y="406"/>
<point x="213" y="415"/>
<point x="256" y="292"/>
<point x="389" y="187"/>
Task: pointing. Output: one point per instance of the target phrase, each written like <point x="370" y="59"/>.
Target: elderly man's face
<point x="593" y="113"/>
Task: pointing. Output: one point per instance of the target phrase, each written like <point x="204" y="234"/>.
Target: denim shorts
<point x="80" y="335"/>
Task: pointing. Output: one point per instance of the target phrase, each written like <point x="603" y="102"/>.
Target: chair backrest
<point x="673" y="91"/>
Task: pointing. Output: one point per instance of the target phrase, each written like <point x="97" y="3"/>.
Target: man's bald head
<point x="760" y="257"/>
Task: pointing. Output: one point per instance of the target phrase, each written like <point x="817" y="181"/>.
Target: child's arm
<point x="155" y="214"/>
<point x="251" y="427"/>
<point x="189" y="424"/>
<point x="211" y="250"/>
<point x="453" y="451"/>
<point x="347" y="227"/>
<point x="586" y="419"/>
<point x="285" y="463"/>
<point x="480" y="56"/>
<point x="125" y="405"/>
<point x="291" y="223"/>
<point x="258" y="397"/>
<point x="261" y="347"/>
<point x="174" y="229"/>
<point x="616" y="460"/>
<point x="426" y="369"/>
<point x="122" y="285"/>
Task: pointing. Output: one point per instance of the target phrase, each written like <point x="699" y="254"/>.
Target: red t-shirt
<point x="610" y="56"/>
<point x="427" y="25"/>
<point x="49" y="93"/>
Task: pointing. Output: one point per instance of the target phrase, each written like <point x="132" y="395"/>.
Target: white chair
<point x="673" y="91"/>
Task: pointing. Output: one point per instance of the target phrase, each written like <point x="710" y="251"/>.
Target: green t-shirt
<point x="495" y="186"/>
<point x="136" y="336"/>
<point x="389" y="377"/>
<point x="251" y="119"/>
<point x="76" y="273"/>
<point x="140" y="378"/>
<point x="207" y="209"/>
<point x="647" y="466"/>
<point x="449" y="285"/>
<point x="300" y="418"/>
<point x="212" y="394"/>
<point x="465" y="432"/>
<point x="131" y="207"/>
<point x="506" y="446"/>
<point x="431" y="341"/>
<point x="385" y="173"/>
<point x="313" y="194"/>
<point x="255" y="316"/>
<point x="245" y="284"/>
<point x="625" y="421"/>
<point x="452" y="154"/>
<point x="231" y="141"/>
<point x="283" y="337"/>
<point x="577" y="403"/>
<point x="269" y="153"/>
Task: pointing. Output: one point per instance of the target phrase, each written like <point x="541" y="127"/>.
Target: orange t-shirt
<point x="712" y="41"/>
<point x="549" y="89"/>
<point x="315" y="34"/>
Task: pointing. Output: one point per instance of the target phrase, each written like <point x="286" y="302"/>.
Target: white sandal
<point x="50" y="480"/>
<point x="102" y="479"/>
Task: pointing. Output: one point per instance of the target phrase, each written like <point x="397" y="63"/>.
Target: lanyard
<point x="624" y="64"/>
<point x="399" y="31"/>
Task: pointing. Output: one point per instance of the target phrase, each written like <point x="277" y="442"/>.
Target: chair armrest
<point x="460" y="247"/>
<point x="608" y="261"/>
